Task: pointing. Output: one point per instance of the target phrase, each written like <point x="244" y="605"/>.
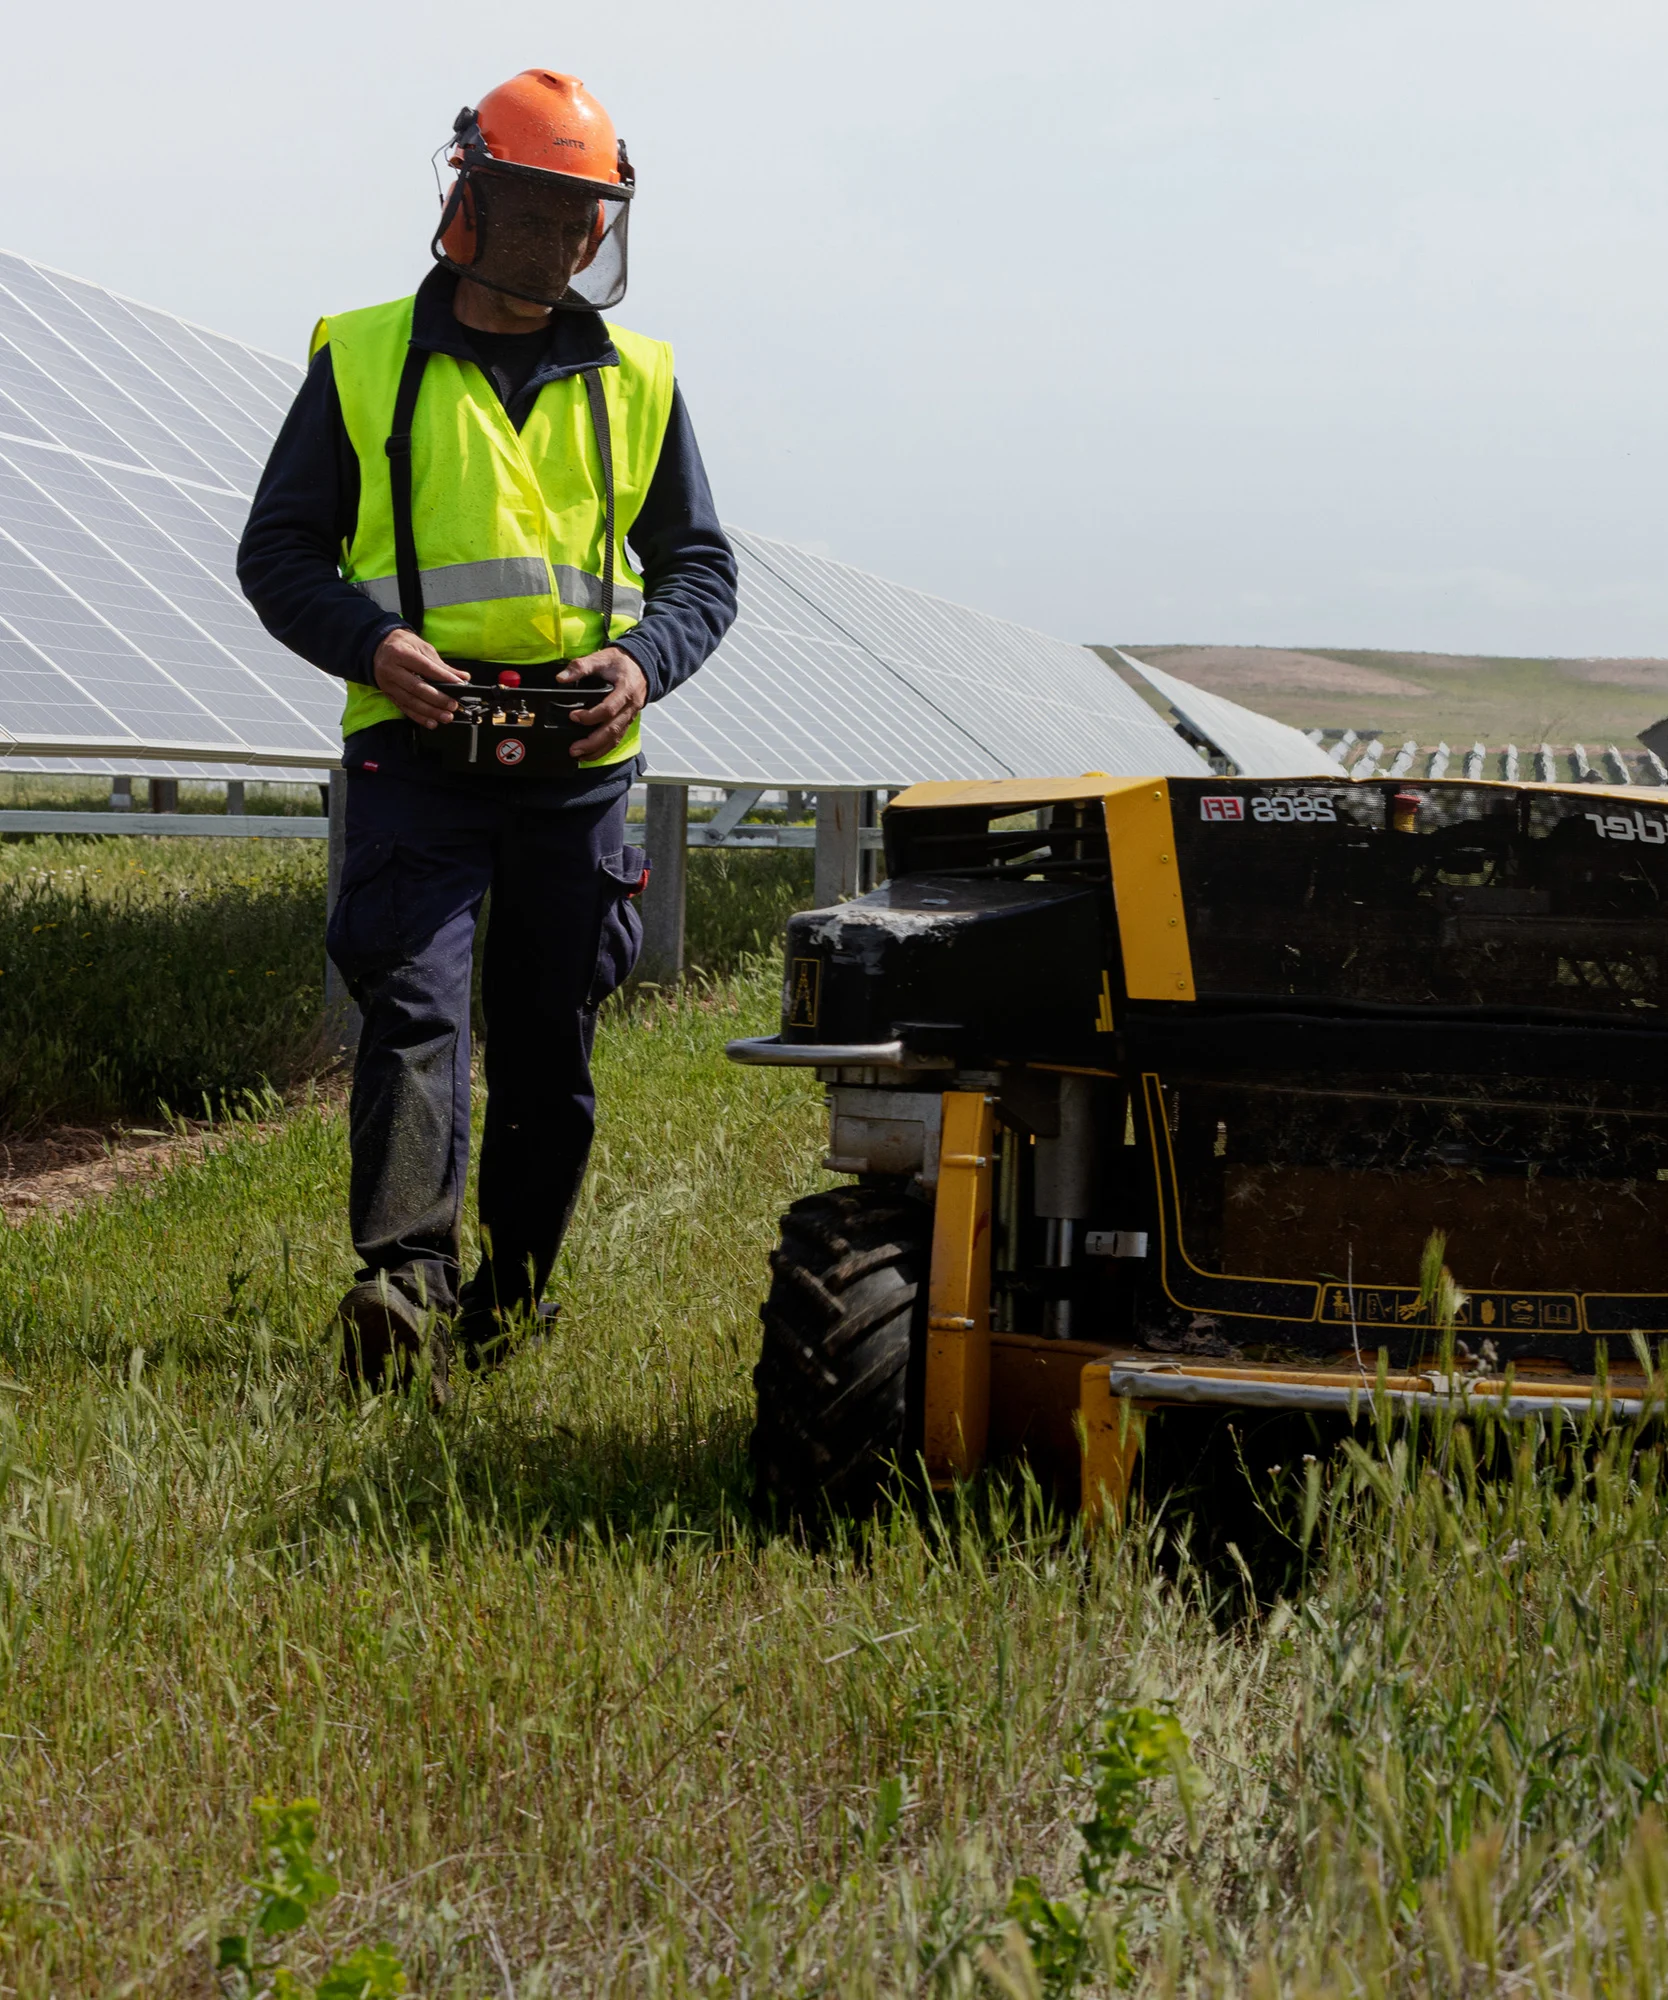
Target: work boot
<point x="487" y="1335"/>
<point x="386" y="1334"/>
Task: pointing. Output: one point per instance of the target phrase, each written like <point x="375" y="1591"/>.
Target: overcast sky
<point x="1323" y="322"/>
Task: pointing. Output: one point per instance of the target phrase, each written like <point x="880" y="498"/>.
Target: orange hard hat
<point x="536" y="156"/>
<point x="545" y="120"/>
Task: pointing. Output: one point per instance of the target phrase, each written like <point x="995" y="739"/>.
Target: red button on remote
<point x="509" y="678"/>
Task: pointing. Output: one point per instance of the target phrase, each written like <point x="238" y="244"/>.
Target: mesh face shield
<point x="555" y="239"/>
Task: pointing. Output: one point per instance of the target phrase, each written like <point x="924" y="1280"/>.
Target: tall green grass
<point x="137" y="972"/>
<point x="738" y="903"/>
<point x="579" y="1726"/>
<point x="69" y="793"/>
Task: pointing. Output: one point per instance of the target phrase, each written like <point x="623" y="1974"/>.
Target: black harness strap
<point x="398" y="449"/>
<point x="605" y="451"/>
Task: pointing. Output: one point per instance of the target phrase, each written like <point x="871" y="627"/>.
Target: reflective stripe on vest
<point x="504" y="576"/>
<point x="508" y="526"/>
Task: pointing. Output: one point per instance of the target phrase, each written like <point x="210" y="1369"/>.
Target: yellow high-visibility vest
<point x="509" y="526"/>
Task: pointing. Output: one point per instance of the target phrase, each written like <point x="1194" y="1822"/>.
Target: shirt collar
<point x="577" y="340"/>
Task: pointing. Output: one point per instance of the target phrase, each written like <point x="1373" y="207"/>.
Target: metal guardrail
<point x="868" y="837"/>
<point x="281" y="826"/>
<point x="250" y="826"/>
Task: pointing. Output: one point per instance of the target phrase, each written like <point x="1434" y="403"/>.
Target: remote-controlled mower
<point x="1152" y="1093"/>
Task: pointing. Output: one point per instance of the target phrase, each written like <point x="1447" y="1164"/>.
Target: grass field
<point x="578" y="1725"/>
<point x="67" y="792"/>
<point x="138" y="972"/>
<point x="1429" y="697"/>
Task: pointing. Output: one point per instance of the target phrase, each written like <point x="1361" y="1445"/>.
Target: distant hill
<point x="1429" y="696"/>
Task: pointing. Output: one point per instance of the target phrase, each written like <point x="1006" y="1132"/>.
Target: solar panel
<point x="1256" y="744"/>
<point x="193" y="772"/>
<point x="831" y="676"/>
<point x="130" y="444"/>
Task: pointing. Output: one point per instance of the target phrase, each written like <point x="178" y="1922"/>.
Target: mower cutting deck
<point x="1155" y="1092"/>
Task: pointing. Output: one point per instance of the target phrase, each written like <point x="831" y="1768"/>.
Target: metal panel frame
<point x="1257" y="745"/>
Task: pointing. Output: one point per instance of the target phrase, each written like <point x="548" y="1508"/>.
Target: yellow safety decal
<point x="805" y="995"/>
<point x="1152" y="925"/>
<point x="1104" y="1023"/>
<point x="958" y="1292"/>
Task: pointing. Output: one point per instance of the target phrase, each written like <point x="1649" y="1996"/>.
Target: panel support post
<point x="341" y="1016"/>
<point x="839" y="816"/>
<point x="666" y="839"/>
<point x="165" y="795"/>
<point x="234" y="795"/>
<point x="121" y="795"/>
<point x="872" y="862"/>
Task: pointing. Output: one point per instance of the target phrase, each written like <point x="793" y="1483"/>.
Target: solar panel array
<point x="130" y="443"/>
<point x="129" y="446"/>
<point x="831" y="676"/>
<point x="1256" y="744"/>
<point x="193" y="770"/>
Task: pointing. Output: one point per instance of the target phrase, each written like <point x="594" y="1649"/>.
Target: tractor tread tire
<point x="840" y="1371"/>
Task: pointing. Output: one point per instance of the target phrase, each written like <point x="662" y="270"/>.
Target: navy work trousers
<point x="562" y="933"/>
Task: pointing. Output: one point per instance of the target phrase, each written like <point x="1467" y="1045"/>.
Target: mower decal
<point x="511" y="750"/>
<point x="805" y="998"/>
<point x="1301" y="809"/>
<point x="1104" y="1023"/>
<point x="1623" y="826"/>
<point x="1224" y="807"/>
<point x="1489" y="1312"/>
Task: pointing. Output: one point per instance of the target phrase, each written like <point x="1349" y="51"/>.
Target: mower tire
<point x="843" y="1364"/>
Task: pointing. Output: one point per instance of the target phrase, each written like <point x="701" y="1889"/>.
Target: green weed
<point x="250" y="1963"/>
<point x="1055" y="1943"/>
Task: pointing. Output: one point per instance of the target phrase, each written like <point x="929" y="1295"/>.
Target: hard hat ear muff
<point x="459" y="233"/>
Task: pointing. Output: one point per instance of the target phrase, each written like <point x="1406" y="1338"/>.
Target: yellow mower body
<point x="1177" y="1077"/>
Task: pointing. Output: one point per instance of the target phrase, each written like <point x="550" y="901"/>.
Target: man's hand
<point x="612" y="714"/>
<point x="406" y="669"/>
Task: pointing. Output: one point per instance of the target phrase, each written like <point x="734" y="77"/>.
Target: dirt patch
<point x="1621" y="673"/>
<point x="72" y="1164"/>
<point x="1237" y="670"/>
<point x="55" y="1171"/>
<point x="1445" y="663"/>
<point x="1651" y="674"/>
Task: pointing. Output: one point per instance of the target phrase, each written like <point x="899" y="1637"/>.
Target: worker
<point x="442" y="491"/>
